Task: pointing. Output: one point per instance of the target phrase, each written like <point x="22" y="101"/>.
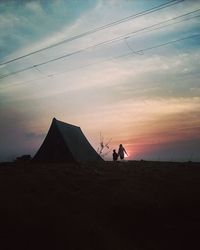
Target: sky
<point x="125" y="69"/>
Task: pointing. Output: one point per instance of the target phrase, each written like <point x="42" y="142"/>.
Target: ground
<point x="135" y="205"/>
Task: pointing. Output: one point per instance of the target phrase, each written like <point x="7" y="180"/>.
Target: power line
<point x="167" y="43"/>
<point x="127" y="35"/>
<point x="131" y="17"/>
<point x="74" y="69"/>
<point x="123" y="55"/>
<point x="130" y="34"/>
<point x="134" y="52"/>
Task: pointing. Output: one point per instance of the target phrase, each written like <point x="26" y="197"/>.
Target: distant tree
<point x="23" y="158"/>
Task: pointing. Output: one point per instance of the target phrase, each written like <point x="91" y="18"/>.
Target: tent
<point x="65" y="143"/>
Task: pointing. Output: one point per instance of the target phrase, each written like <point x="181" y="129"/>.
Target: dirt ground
<point x="121" y="206"/>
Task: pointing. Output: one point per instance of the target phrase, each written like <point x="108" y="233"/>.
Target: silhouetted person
<point x="115" y="155"/>
<point x="121" y="152"/>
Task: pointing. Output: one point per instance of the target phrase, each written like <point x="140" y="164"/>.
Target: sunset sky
<point x="128" y="69"/>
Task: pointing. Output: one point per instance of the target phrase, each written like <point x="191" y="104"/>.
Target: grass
<point x="111" y="205"/>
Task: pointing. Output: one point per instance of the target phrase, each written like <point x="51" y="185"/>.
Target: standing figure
<point x="115" y="155"/>
<point x="121" y="152"/>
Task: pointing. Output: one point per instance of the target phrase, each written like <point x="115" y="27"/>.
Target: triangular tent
<point x="65" y="143"/>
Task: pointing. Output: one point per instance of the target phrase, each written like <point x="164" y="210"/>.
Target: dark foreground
<point x="122" y="206"/>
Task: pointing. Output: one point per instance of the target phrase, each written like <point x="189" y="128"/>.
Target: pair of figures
<point x="120" y="153"/>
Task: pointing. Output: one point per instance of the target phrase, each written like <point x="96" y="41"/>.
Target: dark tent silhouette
<point x="65" y="143"/>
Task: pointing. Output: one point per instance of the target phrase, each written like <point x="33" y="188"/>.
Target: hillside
<point x="121" y="206"/>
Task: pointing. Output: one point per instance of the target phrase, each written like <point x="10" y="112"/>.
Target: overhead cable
<point x="125" y="36"/>
<point x="148" y="11"/>
<point x="139" y="52"/>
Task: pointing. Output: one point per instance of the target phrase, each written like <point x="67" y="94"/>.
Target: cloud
<point x="32" y="135"/>
<point x="34" y="7"/>
<point x="177" y="151"/>
<point x="21" y="28"/>
<point x="14" y="128"/>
